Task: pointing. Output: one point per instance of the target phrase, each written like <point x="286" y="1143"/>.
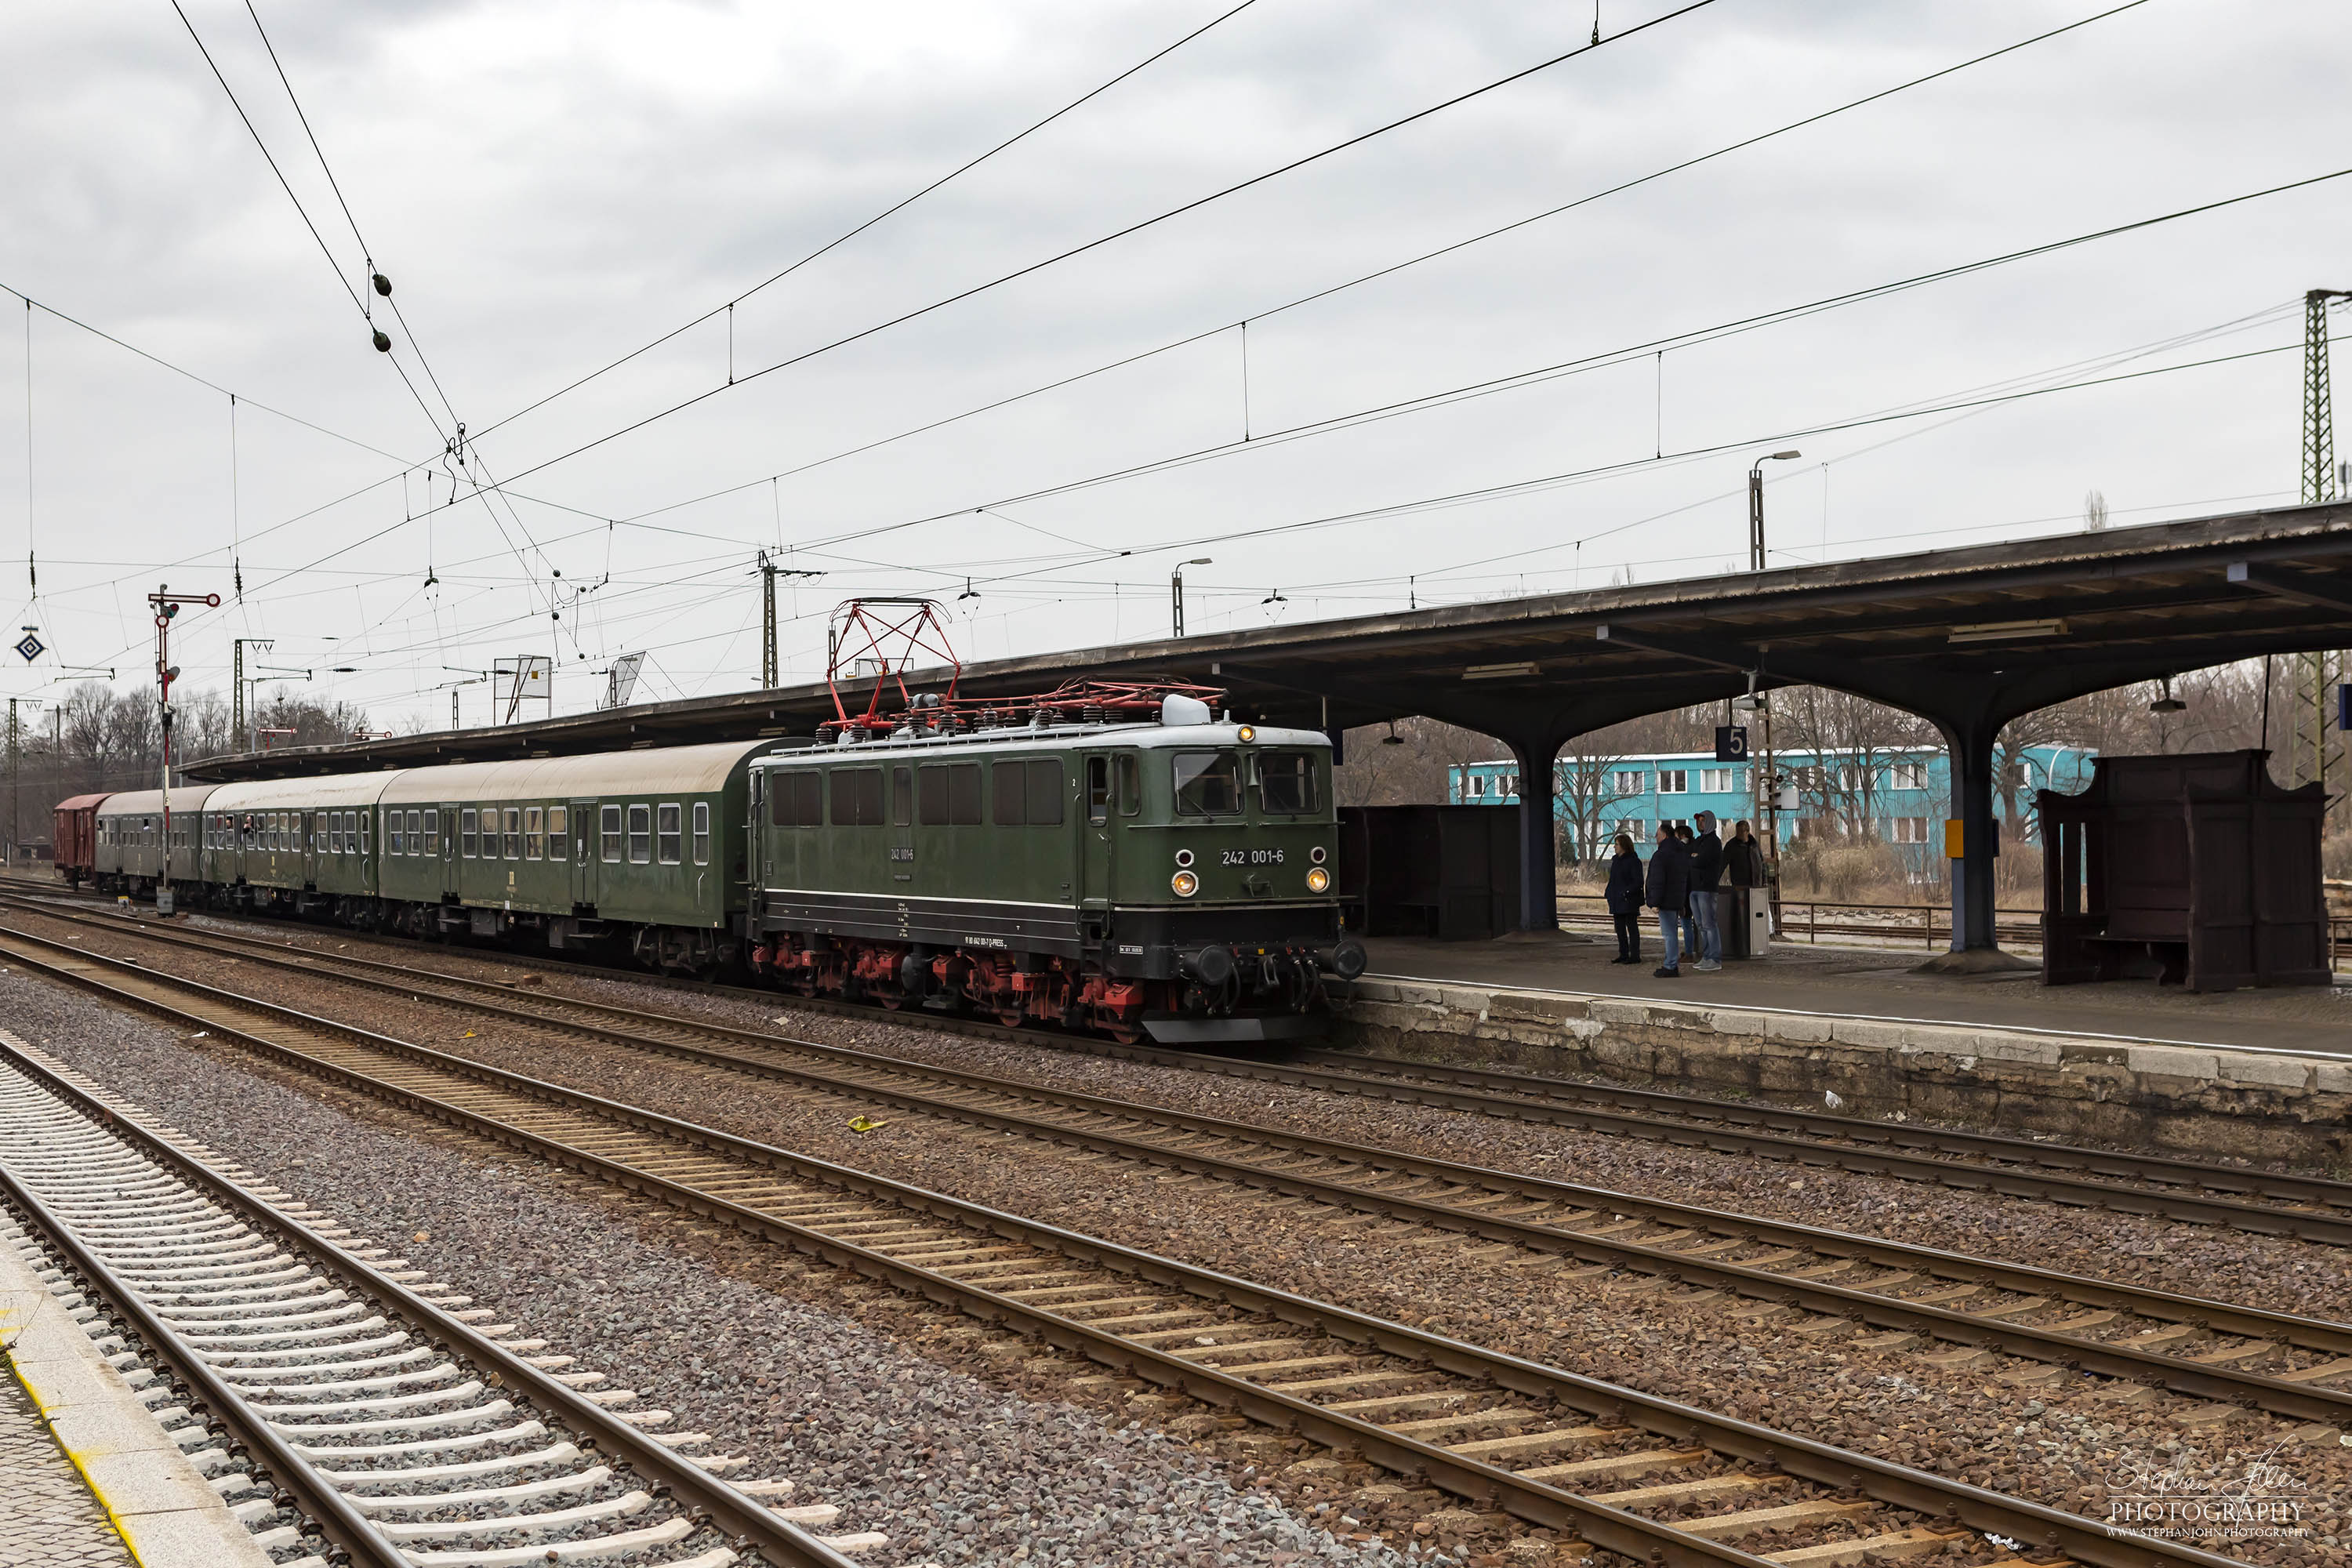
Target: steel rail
<point x="2121" y="1360"/>
<point x="1603" y="1526"/>
<point x="745" y="1519"/>
<point x="215" y="1402"/>
<point x="1663" y="1116"/>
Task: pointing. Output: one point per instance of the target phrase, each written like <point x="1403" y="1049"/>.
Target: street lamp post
<point x="1176" y="590"/>
<point x="1756" y="506"/>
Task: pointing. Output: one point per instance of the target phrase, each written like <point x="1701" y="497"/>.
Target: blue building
<point x="1896" y="795"/>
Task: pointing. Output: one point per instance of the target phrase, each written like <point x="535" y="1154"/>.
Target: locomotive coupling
<point x="1347" y="960"/>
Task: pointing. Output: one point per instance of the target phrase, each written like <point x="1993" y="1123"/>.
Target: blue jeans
<point x="1709" y="945"/>
<point x="1670" y="931"/>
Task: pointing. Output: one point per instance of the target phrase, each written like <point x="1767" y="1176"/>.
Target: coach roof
<point x="335" y="792"/>
<point x="670" y="770"/>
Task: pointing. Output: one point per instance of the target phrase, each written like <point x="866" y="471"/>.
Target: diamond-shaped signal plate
<point x="31" y="648"/>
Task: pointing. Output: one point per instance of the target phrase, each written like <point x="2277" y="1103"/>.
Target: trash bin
<point x="1745" y="916"/>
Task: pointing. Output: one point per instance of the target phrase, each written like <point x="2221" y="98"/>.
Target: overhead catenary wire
<point x="1329" y="290"/>
<point x="1116" y="235"/>
<point x="843" y="238"/>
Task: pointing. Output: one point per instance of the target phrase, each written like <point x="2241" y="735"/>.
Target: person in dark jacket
<point x="1626" y="899"/>
<point x="1707" y="874"/>
<point x="1743" y="858"/>
<point x="1667" y="890"/>
<point x="1683" y="836"/>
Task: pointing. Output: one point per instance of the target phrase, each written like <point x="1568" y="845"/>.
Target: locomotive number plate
<point x="1250" y="857"/>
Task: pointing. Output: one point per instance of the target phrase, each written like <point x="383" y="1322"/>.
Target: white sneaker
<point x="1707" y="964"/>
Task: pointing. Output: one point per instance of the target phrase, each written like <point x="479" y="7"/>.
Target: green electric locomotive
<point x="1170" y="877"/>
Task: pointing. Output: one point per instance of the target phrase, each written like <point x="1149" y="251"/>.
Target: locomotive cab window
<point x="1208" y="784"/>
<point x="702" y="832"/>
<point x="640" y="835"/>
<point x="1287" y="782"/>
<point x="1130" y="784"/>
<point x="666" y="833"/>
<point x="608" y="826"/>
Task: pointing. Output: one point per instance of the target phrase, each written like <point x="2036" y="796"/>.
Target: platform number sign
<point x="1731" y="742"/>
<point x="30" y="647"/>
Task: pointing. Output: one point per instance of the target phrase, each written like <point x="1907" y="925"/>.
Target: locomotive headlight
<point x="1185" y="884"/>
<point x="1247" y="735"/>
<point x="1318" y="879"/>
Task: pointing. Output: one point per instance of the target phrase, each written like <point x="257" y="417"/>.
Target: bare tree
<point x="1584" y="783"/>
<point x="1854" y="742"/>
<point x="1416" y="771"/>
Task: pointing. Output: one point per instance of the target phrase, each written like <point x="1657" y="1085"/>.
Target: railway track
<point x="2261" y="1201"/>
<point x="1588" y="1462"/>
<point x="339" y="1402"/>
<point x="1883" y="1295"/>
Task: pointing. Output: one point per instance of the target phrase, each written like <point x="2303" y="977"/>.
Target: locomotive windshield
<point x="1287" y="782"/>
<point x="1208" y="784"/>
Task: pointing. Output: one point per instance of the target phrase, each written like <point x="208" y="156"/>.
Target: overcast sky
<point x="550" y="186"/>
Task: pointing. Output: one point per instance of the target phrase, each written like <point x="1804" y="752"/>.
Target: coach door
<point x="584" y="855"/>
<point x="449" y="869"/>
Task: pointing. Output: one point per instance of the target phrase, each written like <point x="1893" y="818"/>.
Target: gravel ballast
<point x="957" y="1471"/>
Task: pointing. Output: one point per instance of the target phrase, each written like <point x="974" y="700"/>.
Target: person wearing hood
<point x="1707" y="875"/>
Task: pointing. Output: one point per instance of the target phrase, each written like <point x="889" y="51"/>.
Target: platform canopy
<point x="1967" y="638"/>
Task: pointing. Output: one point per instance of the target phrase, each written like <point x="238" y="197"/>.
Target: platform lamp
<point x="1176" y="589"/>
<point x="1756" y="505"/>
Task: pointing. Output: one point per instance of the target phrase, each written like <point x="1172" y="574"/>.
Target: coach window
<point x="1208" y="784"/>
<point x="702" y="832"/>
<point x="433" y="832"/>
<point x="608" y="823"/>
<point x="534" y="833"/>
<point x="640" y="835"/>
<point x="415" y="833"/>
<point x="399" y="844"/>
<point x="559" y="827"/>
<point x="468" y="832"/>
<point x="1098" y="789"/>
<point x="902" y="797"/>
<point x="367" y="824"/>
<point x="666" y="833"/>
<point x="514" y="833"/>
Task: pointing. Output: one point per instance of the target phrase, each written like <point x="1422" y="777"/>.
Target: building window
<point x="640" y="835"/>
<point x="1673" y="781"/>
<point x="667" y="824"/>
<point x="702" y="831"/>
<point x="1628" y="782"/>
<point x="1716" y="781"/>
<point x="608" y="825"/>
<point x="1478" y="785"/>
<point x="1908" y="830"/>
<point x="1506" y="784"/>
<point x="1907" y="775"/>
<point x="534" y="833"/>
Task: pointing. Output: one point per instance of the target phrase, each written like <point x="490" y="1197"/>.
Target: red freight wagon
<point x="75" y="837"/>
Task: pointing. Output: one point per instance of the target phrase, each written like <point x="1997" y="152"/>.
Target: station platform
<point x="2261" y="1075"/>
<point x="1878" y="983"/>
